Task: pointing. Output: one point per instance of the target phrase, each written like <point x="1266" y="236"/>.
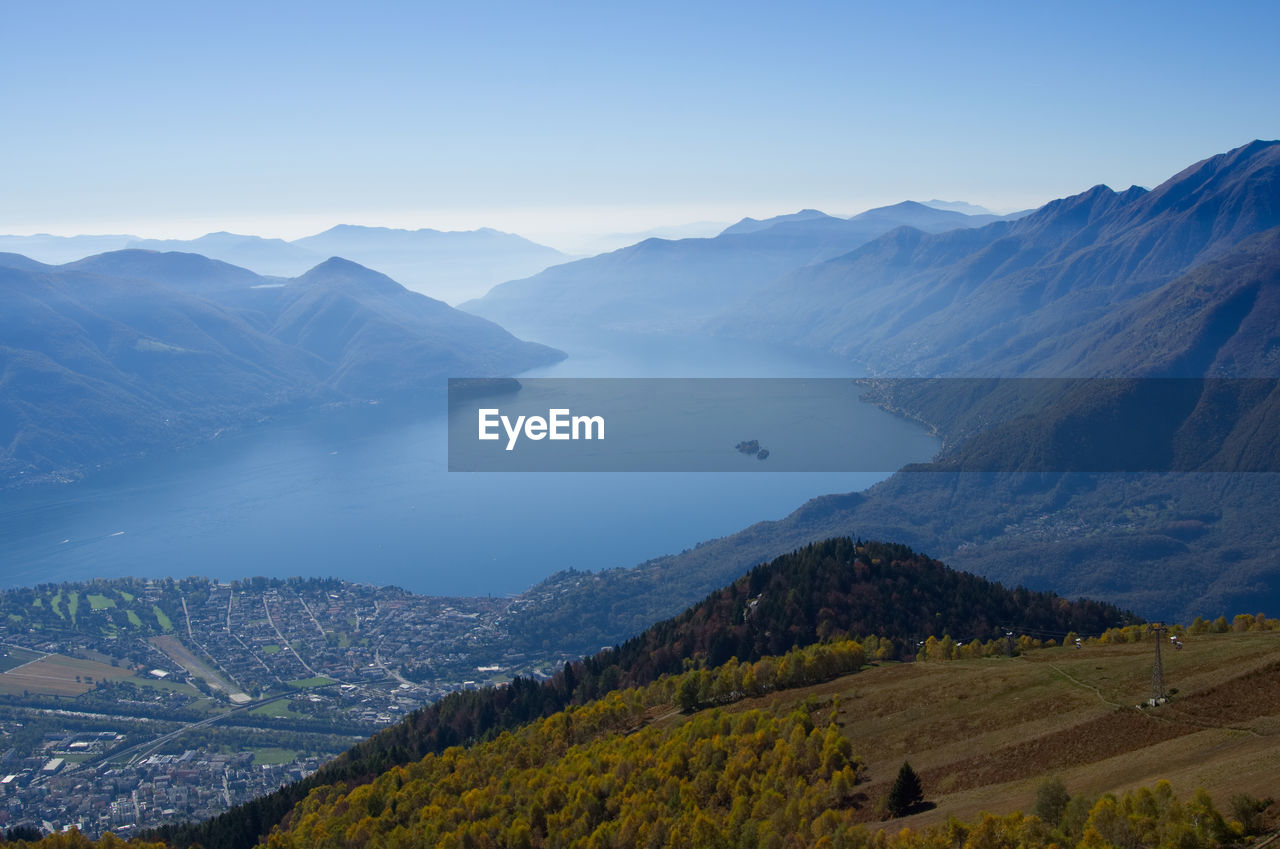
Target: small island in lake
<point x="752" y="446"/>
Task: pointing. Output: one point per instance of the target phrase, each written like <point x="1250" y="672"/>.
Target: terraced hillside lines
<point x="1124" y="731"/>
<point x="984" y="733"/>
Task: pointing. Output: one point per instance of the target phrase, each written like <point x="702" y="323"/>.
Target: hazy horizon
<point x="570" y="123"/>
<point x="579" y="239"/>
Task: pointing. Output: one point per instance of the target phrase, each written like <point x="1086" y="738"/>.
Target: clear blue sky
<point x="179" y="117"/>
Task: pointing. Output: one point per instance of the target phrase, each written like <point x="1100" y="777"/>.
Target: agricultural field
<point x="183" y="656"/>
<point x="57" y="675"/>
<point x="279" y="707"/>
<point x="984" y="733"/>
<point x="13" y="656"/>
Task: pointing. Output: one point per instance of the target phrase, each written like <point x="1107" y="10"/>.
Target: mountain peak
<point x="1075" y="209"/>
<point x="1258" y="159"/>
<point x="337" y="263"/>
<point x="957" y="206"/>
<point x="1253" y="148"/>
<point x="336" y="271"/>
<point x="904" y="204"/>
<point x="179" y="268"/>
<point x="1216" y="202"/>
<point x="355" y="228"/>
<point x="753" y="225"/>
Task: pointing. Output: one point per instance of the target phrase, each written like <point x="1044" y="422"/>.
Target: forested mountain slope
<point x="838" y="587"/>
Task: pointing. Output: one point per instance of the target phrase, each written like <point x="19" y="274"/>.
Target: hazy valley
<point x="133" y="351"/>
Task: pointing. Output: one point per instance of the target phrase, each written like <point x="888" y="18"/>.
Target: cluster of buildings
<point x="265" y="635"/>
<point x="129" y="799"/>
<point x="324" y="658"/>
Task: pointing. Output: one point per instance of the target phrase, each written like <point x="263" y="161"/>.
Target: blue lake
<point x="364" y="495"/>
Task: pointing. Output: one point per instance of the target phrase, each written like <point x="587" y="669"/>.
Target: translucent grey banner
<point x="846" y="425"/>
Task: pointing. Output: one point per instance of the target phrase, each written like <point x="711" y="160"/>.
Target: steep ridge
<point x="1219" y="319"/>
<point x="1002" y="299"/>
<point x="1177" y="282"/>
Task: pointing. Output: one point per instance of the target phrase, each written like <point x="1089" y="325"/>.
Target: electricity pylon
<point x="1158" y="695"/>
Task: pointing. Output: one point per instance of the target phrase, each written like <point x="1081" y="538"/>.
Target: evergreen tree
<point x="906" y="792"/>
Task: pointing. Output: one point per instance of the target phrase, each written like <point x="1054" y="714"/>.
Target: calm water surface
<point x="364" y="495"/>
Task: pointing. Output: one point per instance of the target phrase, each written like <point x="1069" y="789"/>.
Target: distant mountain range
<point x="1049" y="294"/>
<point x="911" y="289"/>
<point x="270" y="257"/>
<point x="450" y="266"/>
<point x="132" y="351"/>
<point x="1177" y="281"/>
<point x="676" y="286"/>
<point x="62" y="249"/>
<point x="959" y="206"/>
<point x="1181" y="281"/>
<point x="616" y="241"/>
